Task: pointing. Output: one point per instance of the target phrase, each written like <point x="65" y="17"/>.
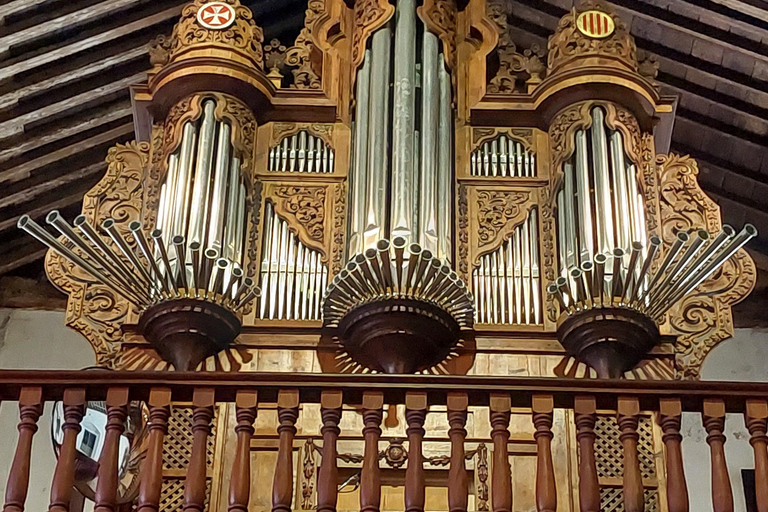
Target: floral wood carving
<point x="568" y="43"/>
<point x="338" y="233"/>
<point x="703" y="319"/>
<point x="482" y="135"/>
<point x="308" y="472"/>
<point x="283" y="130"/>
<point x="303" y="207"/>
<point x="516" y="69"/>
<point x="481" y="465"/>
<point x="243" y="36"/>
<point x="92" y="309"/>
<point x="440" y="17"/>
<point x="369" y="16"/>
<point x="304" y="54"/>
<point x="498" y="212"/>
<point x="462" y="222"/>
<point x="548" y="247"/>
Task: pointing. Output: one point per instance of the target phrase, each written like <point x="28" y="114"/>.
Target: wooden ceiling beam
<point x="41" y="211"/>
<point x="24" y="170"/>
<point x="99" y="65"/>
<point x="17" y="6"/>
<point x="88" y="43"/>
<point x="111" y="114"/>
<point x="34" y="192"/>
<point x="68" y="21"/>
<point x="16" y="125"/>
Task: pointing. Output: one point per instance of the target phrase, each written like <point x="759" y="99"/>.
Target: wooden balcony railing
<point x="370" y="394"/>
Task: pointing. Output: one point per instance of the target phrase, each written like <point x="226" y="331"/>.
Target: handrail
<point x="310" y="385"/>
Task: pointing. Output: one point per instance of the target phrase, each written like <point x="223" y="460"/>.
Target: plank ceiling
<point x="65" y="66"/>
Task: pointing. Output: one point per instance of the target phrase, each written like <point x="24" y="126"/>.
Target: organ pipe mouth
<point x="687" y="262"/>
<point x="132" y="270"/>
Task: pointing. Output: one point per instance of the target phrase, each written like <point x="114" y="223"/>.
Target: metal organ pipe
<point x="220" y="182"/>
<point x="445" y="164"/>
<point x="403" y="119"/>
<point x="603" y="204"/>
<point x="586" y="244"/>
<point x="202" y="177"/>
<point x="430" y="115"/>
<point x="621" y="193"/>
<point x="378" y="161"/>
<point x="184" y="179"/>
<point x="360" y="164"/>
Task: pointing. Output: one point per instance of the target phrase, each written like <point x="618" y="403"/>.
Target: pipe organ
<point x="416" y="195"/>
<point x="402" y="189"/>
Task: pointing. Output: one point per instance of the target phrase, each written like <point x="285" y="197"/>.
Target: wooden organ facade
<point x="402" y="190"/>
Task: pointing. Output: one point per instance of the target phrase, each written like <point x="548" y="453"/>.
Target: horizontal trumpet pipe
<point x="109" y="226"/>
<point x="653" y="247"/>
<point x="637" y="250"/>
<point x="157" y="236"/>
<point x="179" y="246"/>
<point x="599" y="286"/>
<point x="576" y="275"/>
<point x="41" y="235"/>
<point x="194" y="250"/>
<point x="677" y="246"/>
<point x="587" y="269"/>
<point x="141" y="241"/>
<point x="675" y="274"/>
<point x="616" y="281"/>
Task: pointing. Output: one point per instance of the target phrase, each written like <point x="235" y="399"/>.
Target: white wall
<point x="39" y="340"/>
<point x="741" y="358"/>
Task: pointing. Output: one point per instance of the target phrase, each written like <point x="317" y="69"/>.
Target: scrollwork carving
<point x="462" y="222"/>
<point x="339" y="220"/>
<point x="369" y="15"/>
<point x="498" y="212"/>
<point x="243" y="35"/>
<point x="548" y="247"/>
<point x="568" y="43"/>
<point x="482" y="135"/>
<point x="440" y="17"/>
<point x="304" y="207"/>
<point x="703" y="319"/>
<point x="92" y="309"/>
<point x="283" y="130"/>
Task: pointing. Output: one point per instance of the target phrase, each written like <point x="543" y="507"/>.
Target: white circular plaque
<point x="216" y="15"/>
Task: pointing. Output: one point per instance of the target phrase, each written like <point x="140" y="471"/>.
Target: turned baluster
<point x="240" y="481"/>
<point x="203" y="400"/>
<point x="152" y="470"/>
<point x="287" y="414"/>
<point x="415" y="414"/>
<point x="328" y="474"/>
<point x="628" y="420"/>
<point x="458" y="484"/>
<point x="30" y="408"/>
<point x="585" y="415"/>
<point x="501" y="477"/>
<point x="106" y="486"/>
<point x="546" y="490"/>
<point x="670" y="411"/>
<point x="756" y="419"/>
<point x="370" y="478"/>
<point x="713" y="416"/>
<point x="64" y="474"/>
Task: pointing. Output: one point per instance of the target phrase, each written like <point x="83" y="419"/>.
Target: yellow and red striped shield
<point x="595" y="24"/>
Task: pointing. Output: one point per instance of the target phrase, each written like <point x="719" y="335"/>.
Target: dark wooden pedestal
<point x="610" y="340"/>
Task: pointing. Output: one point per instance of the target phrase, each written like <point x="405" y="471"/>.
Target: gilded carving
<point x="243" y="36"/>
<point x="300" y="55"/>
<point x="440" y="17"/>
<point x="703" y="319"/>
<point x="303" y="206"/>
<point x="369" y="16"/>
<point x="283" y="130"/>
<point x="92" y="309"/>
<point x="568" y="43"/>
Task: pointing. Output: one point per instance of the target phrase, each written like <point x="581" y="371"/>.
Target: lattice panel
<point x="609" y="454"/>
<point x="172" y="494"/>
<point x="178" y="442"/>
<point x="612" y="500"/>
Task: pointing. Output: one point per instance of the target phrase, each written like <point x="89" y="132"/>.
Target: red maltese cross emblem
<point x="216" y="15"/>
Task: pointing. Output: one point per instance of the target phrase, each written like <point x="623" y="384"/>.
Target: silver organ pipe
<point x="378" y="160"/>
<point x="220" y="183"/>
<point x="202" y="176"/>
<point x="601" y="178"/>
<point x="503" y="157"/>
<point x="359" y="175"/>
<point x="403" y="119"/>
<point x="621" y="192"/>
<point x="293" y="277"/>
<point x="507" y="282"/>
<point x="444" y="165"/>
<point x="430" y="117"/>
<point x="301" y="152"/>
<point x="584" y="199"/>
<point x="183" y="180"/>
<point x="569" y="242"/>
